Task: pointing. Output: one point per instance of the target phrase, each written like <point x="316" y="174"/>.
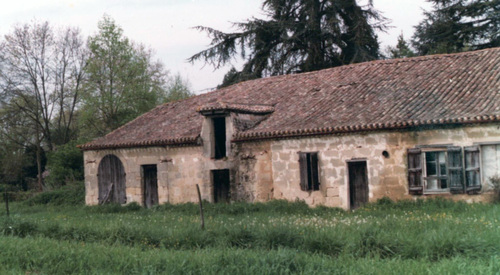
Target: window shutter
<point x="455" y="170"/>
<point x="303" y="171"/>
<point x="415" y="186"/>
<point x="472" y="169"/>
<point x="314" y="171"/>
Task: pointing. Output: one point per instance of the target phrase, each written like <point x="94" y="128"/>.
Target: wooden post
<point x="6" y="197"/>
<point x="201" y="208"/>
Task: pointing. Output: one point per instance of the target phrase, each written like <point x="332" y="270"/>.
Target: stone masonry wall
<point x="386" y="176"/>
<point x="179" y="170"/>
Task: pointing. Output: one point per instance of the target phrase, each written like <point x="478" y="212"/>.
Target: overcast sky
<point x="166" y="25"/>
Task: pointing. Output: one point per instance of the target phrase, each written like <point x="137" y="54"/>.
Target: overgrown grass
<point x="438" y="233"/>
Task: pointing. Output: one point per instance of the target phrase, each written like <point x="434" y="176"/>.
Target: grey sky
<point x="166" y="25"/>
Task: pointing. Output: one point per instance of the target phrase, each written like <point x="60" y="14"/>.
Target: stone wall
<point x="265" y="170"/>
<point x="179" y="170"/>
<point x="387" y="177"/>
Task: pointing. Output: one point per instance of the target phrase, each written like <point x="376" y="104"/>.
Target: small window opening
<point x="385" y="154"/>
<point x="219" y="134"/>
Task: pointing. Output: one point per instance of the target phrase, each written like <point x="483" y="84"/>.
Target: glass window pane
<point x="442" y="158"/>
<point x="432" y="184"/>
<point x="430" y="156"/>
<point x="430" y="163"/>
<point x="444" y="184"/>
<point x="431" y="169"/>
<point x="442" y="169"/>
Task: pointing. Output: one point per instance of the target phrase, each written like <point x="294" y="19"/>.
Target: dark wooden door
<point x="111" y="180"/>
<point x="221" y="185"/>
<point x="358" y="183"/>
<point x="150" y="185"/>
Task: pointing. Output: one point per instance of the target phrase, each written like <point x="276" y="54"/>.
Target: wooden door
<point x="221" y="185"/>
<point x="111" y="180"/>
<point x="358" y="183"/>
<point x="150" y="185"/>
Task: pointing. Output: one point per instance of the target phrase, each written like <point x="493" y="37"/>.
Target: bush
<point x="70" y="195"/>
<point x="65" y="165"/>
<point x="495" y="180"/>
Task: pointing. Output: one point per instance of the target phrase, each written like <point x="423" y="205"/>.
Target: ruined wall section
<point x="253" y="176"/>
<point x="387" y="176"/>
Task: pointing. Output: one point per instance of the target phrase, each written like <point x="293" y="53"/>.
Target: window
<point x="436" y="173"/>
<point x="219" y="137"/>
<point x="436" y="169"/>
<point x="309" y="176"/>
<point x="490" y="159"/>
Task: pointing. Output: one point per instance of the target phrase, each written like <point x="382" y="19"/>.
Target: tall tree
<point x="40" y="80"/>
<point x="299" y="36"/>
<point x="123" y="80"/>
<point x="458" y="25"/>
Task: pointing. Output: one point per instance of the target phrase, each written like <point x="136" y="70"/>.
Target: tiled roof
<point x="386" y="94"/>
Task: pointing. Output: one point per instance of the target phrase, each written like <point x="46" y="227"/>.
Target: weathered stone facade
<point x="269" y="169"/>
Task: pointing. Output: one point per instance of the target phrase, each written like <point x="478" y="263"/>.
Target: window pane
<point x="444" y="184"/>
<point x="430" y="156"/>
<point x="442" y="169"/>
<point x="432" y="184"/>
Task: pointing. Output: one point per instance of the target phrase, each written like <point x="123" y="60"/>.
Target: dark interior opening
<point x="150" y="185"/>
<point x="220" y="180"/>
<point x="219" y="137"/>
<point x="358" y="183"/>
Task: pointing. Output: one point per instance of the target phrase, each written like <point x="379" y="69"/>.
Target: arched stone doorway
<point x="111" y="180"/>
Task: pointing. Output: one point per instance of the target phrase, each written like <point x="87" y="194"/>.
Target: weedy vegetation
<point x="54" y="233"/>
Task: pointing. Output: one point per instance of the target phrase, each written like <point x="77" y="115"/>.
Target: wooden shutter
<point x="455" y="170"/>
<point x="472" y="169"/>
<point x="314" y="170"/>
<point x="415" y="185"/>
<point x="304" y="179"/>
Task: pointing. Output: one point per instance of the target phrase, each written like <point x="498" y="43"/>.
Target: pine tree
<point x="458" y="25"/>
<point x="402" y="49"/>
<point x="298" y="36"/>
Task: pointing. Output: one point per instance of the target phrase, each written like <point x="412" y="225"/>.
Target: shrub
<point x="65" y="165"/>
<point x="495" y="180"/>
<point x="70" y="195"/>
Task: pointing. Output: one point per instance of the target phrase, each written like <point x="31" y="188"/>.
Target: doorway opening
<point x="358" y="183"/>
<point x="150" y="185"/>
<point x="220" y="179"/>
<point x="111" y="180"/>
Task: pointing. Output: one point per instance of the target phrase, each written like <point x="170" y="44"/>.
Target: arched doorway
<point x="111" y="180"/>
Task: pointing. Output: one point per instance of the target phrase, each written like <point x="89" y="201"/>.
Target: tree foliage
<point x="178" y="88"/>
<point x="458" y="25"/>
<point x="401" y="50"/>
<point x="298" y="36"/>
<point x="123" y="80"/>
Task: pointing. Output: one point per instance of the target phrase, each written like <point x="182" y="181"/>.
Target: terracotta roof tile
<point x="386" y="94"/>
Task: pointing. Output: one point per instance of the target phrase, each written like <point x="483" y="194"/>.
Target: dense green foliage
<point x="123" y="81"/>
<point x="298" y="36"/>
<point x="413" y="237"/>
<point x="65" y="165"/>
<point x="458" y="25"/>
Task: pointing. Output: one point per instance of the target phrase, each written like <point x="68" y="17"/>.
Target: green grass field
<point x="54" y="235"/>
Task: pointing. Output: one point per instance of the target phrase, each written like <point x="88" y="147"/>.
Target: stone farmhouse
<point x="340" y="137"/>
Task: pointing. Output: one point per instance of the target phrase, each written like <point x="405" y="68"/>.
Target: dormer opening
<point x="219" y="137"/>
